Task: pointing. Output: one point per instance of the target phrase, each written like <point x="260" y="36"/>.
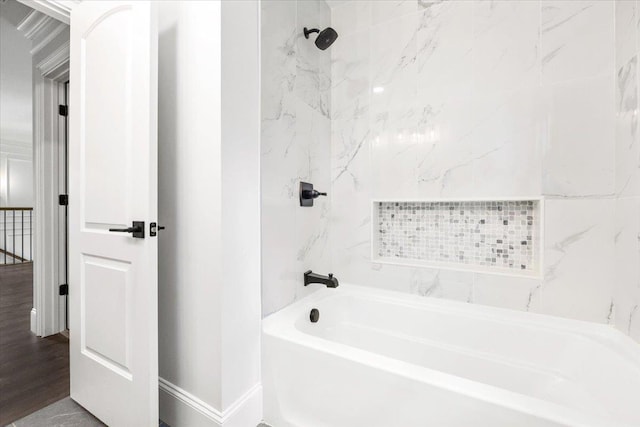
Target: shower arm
<point x="307" y="32"/>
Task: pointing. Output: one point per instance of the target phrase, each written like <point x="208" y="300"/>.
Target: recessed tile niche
<point x="500" y="236"/>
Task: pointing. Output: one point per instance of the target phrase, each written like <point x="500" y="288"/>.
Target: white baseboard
<point x="179" y="408"/>
<point x="33" y="321"/>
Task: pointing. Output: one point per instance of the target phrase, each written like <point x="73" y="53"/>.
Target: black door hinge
<point x="63" y="199"/>
<point x="63" y="110"/>
<point x="64" y="289"/>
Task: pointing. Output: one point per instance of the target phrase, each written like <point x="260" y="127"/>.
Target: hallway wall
<point x="16" y="144"/>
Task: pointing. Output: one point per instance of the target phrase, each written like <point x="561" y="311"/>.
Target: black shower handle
<point x="312" y="194"/>
<point x="307" y="194"/>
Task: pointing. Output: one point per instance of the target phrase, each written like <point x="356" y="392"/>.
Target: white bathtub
<point x="378" y="358"/>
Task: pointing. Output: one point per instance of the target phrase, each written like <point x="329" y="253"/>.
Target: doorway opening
<point x="34" y="346"/>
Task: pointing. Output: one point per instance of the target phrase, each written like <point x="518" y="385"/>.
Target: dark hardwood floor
<point x="34" y="372"/>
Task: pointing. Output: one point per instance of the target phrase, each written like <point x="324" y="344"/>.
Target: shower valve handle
<point x="312" y="194"/>
<point x="308" y="194"/>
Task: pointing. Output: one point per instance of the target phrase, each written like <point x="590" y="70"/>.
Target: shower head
<point x="325" y="37"/>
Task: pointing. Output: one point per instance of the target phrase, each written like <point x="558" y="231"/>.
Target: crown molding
<point x="51" y="33"/>
<point x="55" y="61"/>
<point x="57" y="9"/>
<point x="33" y="24"/>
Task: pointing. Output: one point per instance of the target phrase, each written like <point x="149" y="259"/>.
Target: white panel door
<point x="113" y="182"/>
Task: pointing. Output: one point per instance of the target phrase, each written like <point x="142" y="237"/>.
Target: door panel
<point x="113" y="182"/>
<point x="107" y="296"/>
<point x="107" y="136"/>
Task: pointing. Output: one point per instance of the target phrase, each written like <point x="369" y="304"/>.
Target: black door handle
<point x="124" y="230"/>
<point x="137" y="230"/>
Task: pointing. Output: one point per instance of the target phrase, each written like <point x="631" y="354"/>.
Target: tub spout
<point x="329" y="281"/>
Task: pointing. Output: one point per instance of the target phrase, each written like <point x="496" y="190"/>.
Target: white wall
<point x="209" y="269"/>
<point x="241" y="309"/>
<point x="16" y="166"/>
<point x="296" y="133"/>
<point x="189" y="156"/>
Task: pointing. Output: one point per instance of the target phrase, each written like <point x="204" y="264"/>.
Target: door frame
<point x="48" y="315"/>
<point x="49" y="265"/>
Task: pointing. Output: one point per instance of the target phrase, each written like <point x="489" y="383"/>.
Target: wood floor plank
<point x="34" y="372"/>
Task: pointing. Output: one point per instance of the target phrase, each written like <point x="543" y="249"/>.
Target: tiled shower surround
<point x="493" y="234"/>
<point x="295" y="145"/>
<point x="493" y="100"/>
<point x="456" y="100"/>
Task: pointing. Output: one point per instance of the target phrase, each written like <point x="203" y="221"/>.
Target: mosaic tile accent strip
<point x="497" y="234"/>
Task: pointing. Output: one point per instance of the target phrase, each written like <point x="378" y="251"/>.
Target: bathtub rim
<point x="282" y="325"/>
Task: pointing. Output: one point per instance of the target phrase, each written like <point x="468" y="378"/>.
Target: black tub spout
<point x="329" y="281"/>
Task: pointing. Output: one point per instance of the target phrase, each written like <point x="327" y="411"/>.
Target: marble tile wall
<point x="627" y="172"/>
<point x="422" y="99"/>
<point x="296" y="133"/>
<point x="486" y="99"/>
